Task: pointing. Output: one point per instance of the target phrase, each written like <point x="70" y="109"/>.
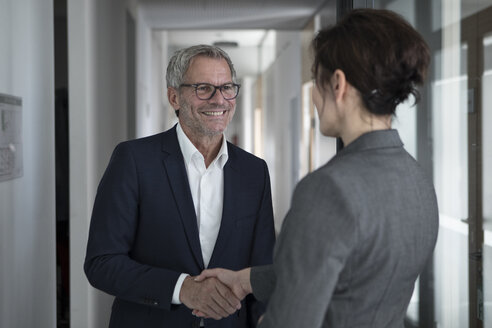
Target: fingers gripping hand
<point x="237" y="281"/>
<point x="211" y="297"/>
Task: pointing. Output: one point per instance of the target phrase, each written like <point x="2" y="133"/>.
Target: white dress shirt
<point x="207" y="190"/>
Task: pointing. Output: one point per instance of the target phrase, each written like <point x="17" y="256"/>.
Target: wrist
<point x="177" y="288"/>
<point x="245" y="280"/>
<point x="185" y="290"/>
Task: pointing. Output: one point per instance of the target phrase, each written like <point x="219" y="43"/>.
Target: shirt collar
<point x="188" y="149"/>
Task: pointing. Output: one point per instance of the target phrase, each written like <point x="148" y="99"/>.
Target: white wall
<point x="245" y="114"/>
<point x="324" y="148"/>
<point x="282" y="119"/>
<point x="159" y="109"/>
<point x="27" y="204"/>
<point x="282" y="108"/>
<point x="144" y="77"/>
<point x="153" y="112"/>
<point x="97" y="122"/>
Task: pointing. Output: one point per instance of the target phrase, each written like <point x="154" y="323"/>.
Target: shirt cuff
<point x="177" y="288"/>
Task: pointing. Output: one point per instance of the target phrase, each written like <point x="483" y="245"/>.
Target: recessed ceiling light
<point x="226" y="44"/>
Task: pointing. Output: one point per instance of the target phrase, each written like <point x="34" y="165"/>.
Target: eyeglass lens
<point x="207" y="91"/>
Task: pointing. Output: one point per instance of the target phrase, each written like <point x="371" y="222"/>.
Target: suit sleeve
<point x="108" y="263"/>
<point x="263" y="280"/>
<point x="317" y="237"/>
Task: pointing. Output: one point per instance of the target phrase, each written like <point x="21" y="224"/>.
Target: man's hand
<point x="211" y="297"/>
<point x="237" y="281"/>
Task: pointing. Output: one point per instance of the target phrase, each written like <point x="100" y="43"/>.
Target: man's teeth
<point x="214" y="113"/>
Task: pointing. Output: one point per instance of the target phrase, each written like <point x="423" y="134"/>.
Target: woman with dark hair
<point x="362" y="227"/>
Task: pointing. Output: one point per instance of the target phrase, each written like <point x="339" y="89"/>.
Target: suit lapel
<point x="231" y="179"/>
<point x="176" y="173"/>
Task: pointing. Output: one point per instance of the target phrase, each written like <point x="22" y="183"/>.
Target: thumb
<point x="209" y="273"/>
<point x="200" y="314"/>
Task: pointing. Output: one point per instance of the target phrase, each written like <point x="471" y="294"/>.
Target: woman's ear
<point x="172" y="96"/>
<point x="339" y="84"/>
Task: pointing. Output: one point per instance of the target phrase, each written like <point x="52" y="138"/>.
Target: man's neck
<point x="209" y="148"/>
<point x="208" y="145"/>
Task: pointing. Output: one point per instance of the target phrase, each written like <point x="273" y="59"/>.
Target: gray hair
<point x="180" y="62"/>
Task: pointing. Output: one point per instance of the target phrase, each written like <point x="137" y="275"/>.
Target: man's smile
<point x="214" y="113"/>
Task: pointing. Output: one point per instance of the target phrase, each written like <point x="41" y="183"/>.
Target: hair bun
<point x="381" y="54"/>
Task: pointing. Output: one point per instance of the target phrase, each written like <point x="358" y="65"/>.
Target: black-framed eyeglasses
<point x="206" y="91"/>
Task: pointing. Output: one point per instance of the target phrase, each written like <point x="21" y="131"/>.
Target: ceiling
<point x="244" y="55"/>
<point x="244" y="38"/>
<point x="245" y="22"/>
<point x="229" y="14"/>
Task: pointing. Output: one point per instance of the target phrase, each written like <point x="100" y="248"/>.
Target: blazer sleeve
<point x="263" y="281"/>
<point x="108" y="263"/>
<point x="316" y="239"/>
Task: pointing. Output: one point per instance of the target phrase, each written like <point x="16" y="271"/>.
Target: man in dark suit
<point x="173" y="204"/>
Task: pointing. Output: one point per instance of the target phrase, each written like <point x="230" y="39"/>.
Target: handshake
<point x="216" y="293"/>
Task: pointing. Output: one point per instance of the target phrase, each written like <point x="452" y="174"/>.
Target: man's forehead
<point x="207" y="65"/>
<point x="198" y="58"/>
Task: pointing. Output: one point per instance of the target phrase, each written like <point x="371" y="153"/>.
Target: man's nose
<point x="217" y="98"/>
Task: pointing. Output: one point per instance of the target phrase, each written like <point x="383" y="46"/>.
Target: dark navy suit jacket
<point x="144" y="233"/>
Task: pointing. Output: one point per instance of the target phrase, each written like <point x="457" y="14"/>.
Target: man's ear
<point x="172" y="96"/>
<point x="339" y="84"/>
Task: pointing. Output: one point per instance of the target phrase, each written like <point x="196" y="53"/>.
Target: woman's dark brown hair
<point x="381" y="54"/>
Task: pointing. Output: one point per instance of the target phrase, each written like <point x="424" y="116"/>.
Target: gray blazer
<point x="359" y="231"/>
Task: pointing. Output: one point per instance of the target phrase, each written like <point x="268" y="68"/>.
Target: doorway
<point x="61" y="164"/>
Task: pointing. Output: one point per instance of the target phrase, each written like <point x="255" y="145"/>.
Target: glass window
<point x="487" y="176"/>
<point x="436" y="134"/>
<point x="487" y="131"/>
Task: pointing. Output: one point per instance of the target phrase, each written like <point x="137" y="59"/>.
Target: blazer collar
<point x="374" y="139"/>
<point x="231" y="183"/>
<point x="178" y="180"/>
<point x="170" y="143"/>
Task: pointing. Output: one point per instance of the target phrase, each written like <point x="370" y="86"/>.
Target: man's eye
<point x="203" y="88"/>
<point x="227" y="87"/>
